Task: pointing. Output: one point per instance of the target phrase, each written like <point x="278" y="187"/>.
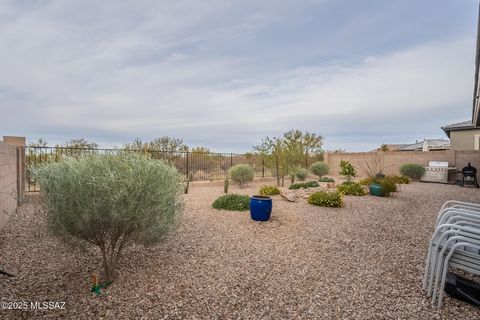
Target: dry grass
<point x="363" y="261"/>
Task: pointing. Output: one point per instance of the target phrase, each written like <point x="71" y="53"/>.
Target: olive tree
<point x="319" y="169"/>
<point x="110" y="201"/>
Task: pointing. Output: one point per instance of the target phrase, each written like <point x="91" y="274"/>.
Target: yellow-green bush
<point x="351" y="189"/>
<point x="326" y="199"/>
<point x="399" y="179"/>
<point x="269" y="190"/>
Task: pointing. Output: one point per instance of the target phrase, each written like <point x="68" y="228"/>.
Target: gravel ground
<point x="363" y="261"/>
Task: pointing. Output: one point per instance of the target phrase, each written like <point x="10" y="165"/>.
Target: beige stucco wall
<point x="8" y="181"/>
<point x="463" y="140"/>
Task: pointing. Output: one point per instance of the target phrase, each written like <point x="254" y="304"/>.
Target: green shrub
<point x="399" y="179"/>
<point x="319" y="169"/>
<point x="366" y="181"/>
<point x="110" y="201"/>
<point x="351" y="189"/>
<point x="326" y="179"/>
<point x="347" y="170"/>
<point x="305" y="185"/>
<point x="301" y="174"/>
<point x="388" y="186"/>
<point x="412" y="170"/>
<point x="232" y="202"/>
<point x="326" y="199"/>
<point x="241" y="173"/>
<point x="269" y="190"/>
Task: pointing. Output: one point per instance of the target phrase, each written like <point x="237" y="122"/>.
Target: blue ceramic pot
<point x="376" y="190"/>
<point x="260" y="208"/>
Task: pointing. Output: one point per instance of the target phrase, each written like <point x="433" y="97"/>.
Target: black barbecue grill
<point x="469" y="175"/>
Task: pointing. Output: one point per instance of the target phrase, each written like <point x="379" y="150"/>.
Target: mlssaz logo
<point x="47" y="305"/>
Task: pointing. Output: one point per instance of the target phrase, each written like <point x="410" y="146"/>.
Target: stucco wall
<point x="8" y="181"/>
<point x="463" y="140"/>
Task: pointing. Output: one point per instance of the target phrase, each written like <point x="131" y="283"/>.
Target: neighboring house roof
<point x="391" y="147"/>
<point x="428" y="144"/>
<point x="464" y="125"/>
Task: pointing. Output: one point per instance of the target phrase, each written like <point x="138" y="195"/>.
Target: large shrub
<point x="301" y="174"/>
<point x="304" y="185"/>
<point x="232" y="202"/>
<point x="351" y="189"/>
<point x="269" y="190"/>
<point x="326" y="199"/>
<point x="241" y="173"/>
<point x="319" y="169"/>
<point x="110" y="201"/>
<point x="412" y="170"/>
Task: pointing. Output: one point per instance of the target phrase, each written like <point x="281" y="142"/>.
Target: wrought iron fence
<point x="195" y="166"/>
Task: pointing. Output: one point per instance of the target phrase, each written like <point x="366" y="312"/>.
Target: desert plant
<point x="347" y="170"/>
<point x="412" y="170"/>
<point x="399" y="179"/>
<point x="366" y="181"/>
<point x="388" y="186"/>
<point x="110" y="201"/>
<point x="232" y="202"/>
<point x="226" y="183"/>
<point x="301" y="174"/>
<point x="269" y="190"/>
<point x="291" y="175"/>
<point x="326" y="199"/>
<point x="351" y="189"/>
<point x="241" y="173"/>
<point x="327" y="179"/>
<point x="319" y="169"/>
<point x="304" y="185"/>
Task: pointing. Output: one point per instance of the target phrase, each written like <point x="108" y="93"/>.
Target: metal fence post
<point x="186" y="166"/>
<point x="231" y="160"/>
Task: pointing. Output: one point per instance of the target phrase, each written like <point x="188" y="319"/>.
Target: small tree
<point x="319" y="169"/>
<point x="347" y="170"/>
<point x="241" y="173"/>
<point x="110" y="201"/>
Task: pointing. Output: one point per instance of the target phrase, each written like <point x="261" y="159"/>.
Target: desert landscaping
<point x="362" y="261"/>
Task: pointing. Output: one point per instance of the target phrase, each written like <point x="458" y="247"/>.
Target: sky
<point x="223" y="74"/>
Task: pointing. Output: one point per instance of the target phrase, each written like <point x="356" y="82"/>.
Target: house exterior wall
<point x="463" y="140"/>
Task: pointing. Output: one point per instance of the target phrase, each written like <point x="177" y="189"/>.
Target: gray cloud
<point x="225" y="74"/>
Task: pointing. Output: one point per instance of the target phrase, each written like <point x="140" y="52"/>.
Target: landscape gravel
<point x="363" y="261"/>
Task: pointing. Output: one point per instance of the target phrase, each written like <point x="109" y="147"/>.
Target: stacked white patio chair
<point x="455" y="243"/>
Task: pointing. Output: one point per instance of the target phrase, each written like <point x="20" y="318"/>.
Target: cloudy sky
<point x="223" y="74"/>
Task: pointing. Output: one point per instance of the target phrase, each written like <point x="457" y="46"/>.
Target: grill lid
<point x="438" y="164"/>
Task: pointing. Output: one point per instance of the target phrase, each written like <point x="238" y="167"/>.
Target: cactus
<point x="187" y="184"/>
<point x="225" y="185"/>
